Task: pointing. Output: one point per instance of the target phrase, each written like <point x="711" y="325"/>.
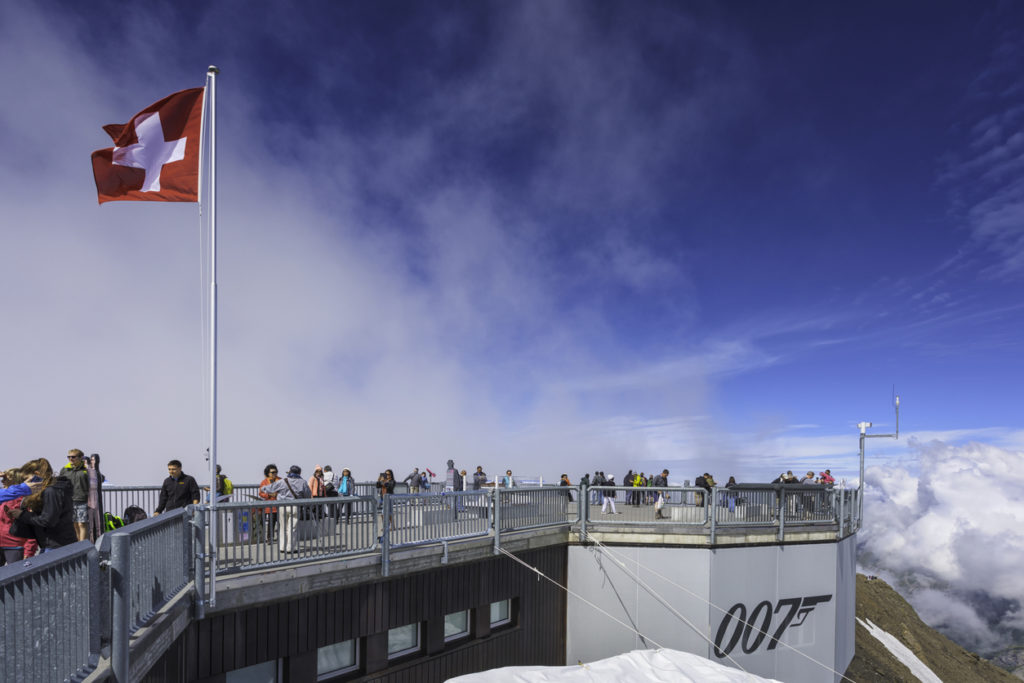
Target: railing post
<point x="496" y="516"/>
<point x="96" y="598"/>
<point x="714" y="511"/>
<point x="199" y="556"/>
<point x="837" y="494"/>
<point x="385" y="537"/>
<point x="858" y="508"/>
<point x="584" y="510"/>
<point x="121" y="605"/>
<point x="782" y="512"/>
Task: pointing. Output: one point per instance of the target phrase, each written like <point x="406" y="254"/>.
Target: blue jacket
<point x="346" y="486"/>
<point x="12" y="492"/>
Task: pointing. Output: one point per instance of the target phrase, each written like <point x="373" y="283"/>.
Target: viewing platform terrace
<point x="140" y="586"/>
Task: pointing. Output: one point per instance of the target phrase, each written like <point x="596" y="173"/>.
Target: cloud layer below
<point x="950" y="537"/>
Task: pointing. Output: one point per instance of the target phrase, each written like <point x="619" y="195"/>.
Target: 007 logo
<point x="750" y="633"/>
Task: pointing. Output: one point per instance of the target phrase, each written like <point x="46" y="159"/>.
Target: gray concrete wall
<point x="846" y="602"/>
<point x="591" y="635"/>
<point x="801" y="594"/>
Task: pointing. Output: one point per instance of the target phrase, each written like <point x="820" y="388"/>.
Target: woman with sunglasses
<point x="269" y="514"/>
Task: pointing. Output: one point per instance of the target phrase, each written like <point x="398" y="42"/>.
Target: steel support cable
<point x="610" y="554"/>
<point x="640" y="582"/>
<point x="581" y="598"/>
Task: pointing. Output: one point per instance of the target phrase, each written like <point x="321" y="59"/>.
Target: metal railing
<point x="289" y="531"/>
<point x="415" y="519"/>
<point x="150" y="562"/>
<point x="117" y="498"/>
<point x="746" y="505"/>
<point x="640" y="505"/>
<point x="530" y="508"/>
<point x="50" y="620"/>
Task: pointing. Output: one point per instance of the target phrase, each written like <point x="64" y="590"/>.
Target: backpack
<point x="227" y="487"/>
<point x="133" y="513"/>
<point x="111" y="522"/>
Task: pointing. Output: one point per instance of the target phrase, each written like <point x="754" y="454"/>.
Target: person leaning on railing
<point x="564" y="482"/>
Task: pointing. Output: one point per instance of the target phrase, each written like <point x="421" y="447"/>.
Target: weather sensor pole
<point x="863" y="426"/>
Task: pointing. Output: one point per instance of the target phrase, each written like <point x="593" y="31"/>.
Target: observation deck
<point x="142" y="588"/>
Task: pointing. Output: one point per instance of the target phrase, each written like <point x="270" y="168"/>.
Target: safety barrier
<point x="285" y="532"/>
<point x="50" y="619"/>
<point x="530" y="508"/>
<point x="747" y="506"/>
<point x="415" y="519"/>
<point x="635" y="506"/>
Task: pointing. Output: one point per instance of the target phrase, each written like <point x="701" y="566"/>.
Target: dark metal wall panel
<point x="295" y="628"/>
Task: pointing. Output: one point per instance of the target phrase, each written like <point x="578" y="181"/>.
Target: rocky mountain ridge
<point x="883" y="606"/>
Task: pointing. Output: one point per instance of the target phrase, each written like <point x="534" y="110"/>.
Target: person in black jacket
<point x="178" y="490"/>
<point x="46" y="515"/>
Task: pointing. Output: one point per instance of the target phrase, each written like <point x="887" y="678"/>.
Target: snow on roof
<point x="638" y="666"/>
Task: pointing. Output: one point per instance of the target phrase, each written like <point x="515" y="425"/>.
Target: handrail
<point x="50" y="621"/>
<point x="150" y="564"/>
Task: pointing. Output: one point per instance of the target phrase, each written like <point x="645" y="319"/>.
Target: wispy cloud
<point x="984" y="178"/>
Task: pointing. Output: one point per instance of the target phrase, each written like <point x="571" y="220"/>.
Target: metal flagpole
<point x="211" y="91"/>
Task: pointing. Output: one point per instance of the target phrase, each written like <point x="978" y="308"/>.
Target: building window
<point x="456" y="625"/>
<point x="403" y="640"/>
<point x="335" y="659"/>
<point x="501" y="613"/>
<point x="264" y="672"/>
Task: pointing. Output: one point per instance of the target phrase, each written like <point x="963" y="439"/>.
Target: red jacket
<point x="8" y="541"/>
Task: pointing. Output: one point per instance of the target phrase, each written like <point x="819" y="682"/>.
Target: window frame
<point x="505" y="621"/>
<point x="465" y="633"/>
<point x="414" y="649"/>
<point x="278" y="669"/>
<point x="355" y="666"/>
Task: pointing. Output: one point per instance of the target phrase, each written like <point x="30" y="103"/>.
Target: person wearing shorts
<point x="78" y="475"/>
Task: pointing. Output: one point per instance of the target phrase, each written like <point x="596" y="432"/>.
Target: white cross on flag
<point x="155" y="155"/>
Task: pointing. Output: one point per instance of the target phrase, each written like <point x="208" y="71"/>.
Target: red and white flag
<point x="155" y="155"/>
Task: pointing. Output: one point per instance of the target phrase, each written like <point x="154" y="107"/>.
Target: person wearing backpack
<point x="292" y="487"/>
<point x="224" y="487"/>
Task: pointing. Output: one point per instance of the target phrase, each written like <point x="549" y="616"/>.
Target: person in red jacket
<point x="13" y="548"/>
<point x="46" y="515"/>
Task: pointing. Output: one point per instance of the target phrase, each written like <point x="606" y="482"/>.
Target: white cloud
<point x="349" y="333"/>
<point x="952" y="537"/>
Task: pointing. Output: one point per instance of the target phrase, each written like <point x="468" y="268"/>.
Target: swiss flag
<point x="155" y="155"/>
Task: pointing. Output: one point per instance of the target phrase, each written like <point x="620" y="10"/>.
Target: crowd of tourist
<point x="41" y="509"/>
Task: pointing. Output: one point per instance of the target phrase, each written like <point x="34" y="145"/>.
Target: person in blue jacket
<point x="19" y="490"/>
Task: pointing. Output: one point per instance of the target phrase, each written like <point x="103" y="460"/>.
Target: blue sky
<point x="547" y="236"/>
